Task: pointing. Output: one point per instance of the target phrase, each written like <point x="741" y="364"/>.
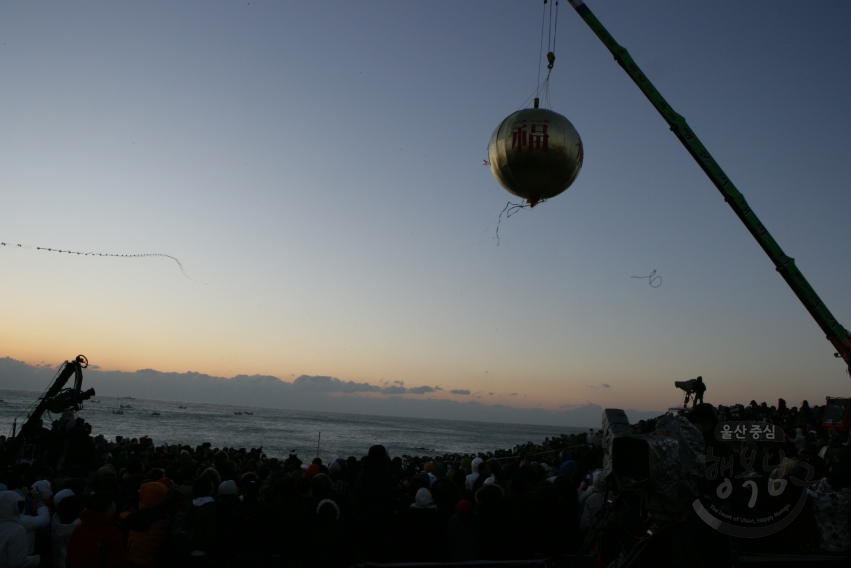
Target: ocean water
<point x="281" y="431"/>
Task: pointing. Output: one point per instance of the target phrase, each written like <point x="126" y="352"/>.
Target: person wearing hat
<point x="568" y="465"/>
<point x="422" y="528"/>
<point x="462" y="533"/>
<point x="335" y="467"/>
<point x="312" y="470"/>
<point x="13" y="537"/>
<point x="106" y="471"/>
<point x="328" y="535"/>
<point x="66" y="519"/>
<point x="473" y="474"/>
<point x="228" y="487"/>
<point x="292" y="463"/>
<point x="57" y="499"/>
<point x="148" y="525"/>
<point x="592" y="501"/>
<point x="227" y="500"/>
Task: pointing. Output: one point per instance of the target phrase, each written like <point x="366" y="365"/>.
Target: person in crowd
<point x="592" y="501"/>
<point x="377" y="493"/>
<point x="806" y="413"/>
<point x="186" y="475"/>
<point x="564" y="520"/>
<point x="474" y="473"/>
<point x="799" y="440"/>
<point x="65" y="520"/>
<point x="699" y="389"/>
<point x="193" y="527"/>
<point x="227" y="499"/>
<point x="147" y="525"/>
<point x="328" y="543"/>
<point x="252" y="519"/>
<point x="201" y="505"/>
<point x="462" y="533"/>
<point x="496" y="542"/>
<point x="484" y="474"/>
<point x="376" y="480"/>
<point x="41" y="513"/>
<point x="567" y="465"/>
<point x="423" y="530"/>
<point x="97" y="541"/>
<point x="704" y="418"/>
<point x="832" y="508"/>
<point x="13" y="536"/>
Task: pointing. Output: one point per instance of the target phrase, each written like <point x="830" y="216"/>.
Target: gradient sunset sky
<point x="318" y="170"/>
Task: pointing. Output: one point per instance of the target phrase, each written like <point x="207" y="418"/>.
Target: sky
<point x="318" y="170"/>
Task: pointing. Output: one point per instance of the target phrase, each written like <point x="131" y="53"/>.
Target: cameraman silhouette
<point x="693" y="388"/>
<point x="699" y="389"/>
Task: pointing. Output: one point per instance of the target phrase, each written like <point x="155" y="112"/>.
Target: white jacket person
<point x="13" y="537"/>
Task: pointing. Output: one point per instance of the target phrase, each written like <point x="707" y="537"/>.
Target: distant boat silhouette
<point x="238" y="413"/>
<point x="155" y="413"/>
<point x="181" y="407"/>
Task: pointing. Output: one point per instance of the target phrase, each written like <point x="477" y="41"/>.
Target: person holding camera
<point x="693" y="388"/>
<point x="40" y="492"/>
<point x="699" y="389"/>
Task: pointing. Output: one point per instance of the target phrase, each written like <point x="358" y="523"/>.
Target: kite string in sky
<point x="11" y="245"/>
<point x="651" y="278"/>
<point x="511" y="209"/>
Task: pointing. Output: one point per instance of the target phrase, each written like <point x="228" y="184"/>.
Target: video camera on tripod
<point x="662" y="464"/>
<point x="653" y="479"/>
<point x="692" y="387"/>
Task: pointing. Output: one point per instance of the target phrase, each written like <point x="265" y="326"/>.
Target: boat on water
<point x="125" y="406"/>
<point x="238" y="413"/>
<point x="96" y="401"/>
<point x="155" y="413"/>
<point x="183" y="407"/>
<point x="117" y="411"/>
<point x="248" y="413"/>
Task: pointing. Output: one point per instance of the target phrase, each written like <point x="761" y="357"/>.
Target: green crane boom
<point x="785" y="265"/>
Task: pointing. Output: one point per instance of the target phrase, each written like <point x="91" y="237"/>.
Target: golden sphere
<point x="535" y="154"/>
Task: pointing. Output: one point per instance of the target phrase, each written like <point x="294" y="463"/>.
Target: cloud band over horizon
<point x="315" y="393"/>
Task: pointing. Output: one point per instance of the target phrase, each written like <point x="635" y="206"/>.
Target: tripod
<point x="657" y="541"/>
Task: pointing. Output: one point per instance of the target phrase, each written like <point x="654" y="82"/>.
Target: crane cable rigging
<point x="552" y="32"/>
<point x="550" y="21"/>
